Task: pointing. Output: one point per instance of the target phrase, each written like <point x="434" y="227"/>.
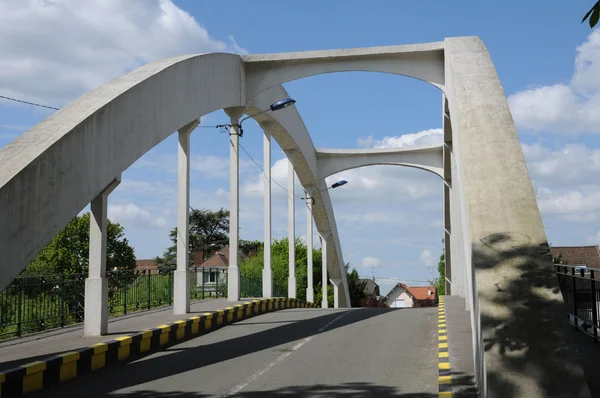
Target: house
<point x="371" y="287"/>
<point x="577" y="255"/>
<point x="402" y="296"/>
<point x="146" y="266"/>
<point x="214" y="268"/>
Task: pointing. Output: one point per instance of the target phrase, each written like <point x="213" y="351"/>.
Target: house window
<point x="210" y="277"/>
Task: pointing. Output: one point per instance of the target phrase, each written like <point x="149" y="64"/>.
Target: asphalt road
<point x="297" y="352"/>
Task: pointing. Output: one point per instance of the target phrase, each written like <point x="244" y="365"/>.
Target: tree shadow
<point x="179" y="359"/>
<point x="527" y="343"/>
<point x="346" y="390"/>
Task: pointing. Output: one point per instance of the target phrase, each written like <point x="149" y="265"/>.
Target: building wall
<point x="399" y="293"/>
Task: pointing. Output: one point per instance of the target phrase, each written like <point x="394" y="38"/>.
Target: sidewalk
<point x="17" y="352"/>
<point x="460" y="347"/>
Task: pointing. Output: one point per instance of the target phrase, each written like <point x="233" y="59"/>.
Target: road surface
<point x="376" y="352"/>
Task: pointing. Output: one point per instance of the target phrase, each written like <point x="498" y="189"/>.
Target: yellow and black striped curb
<point x="62" y="367"/>
<point x="445" y="376"/>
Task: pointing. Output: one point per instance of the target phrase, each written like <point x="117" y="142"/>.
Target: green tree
<point x="593" y="14"/>
<point x="68" y="252"/>
<point x="356" y="288"/>
<point x="440" y="281"/>
<point x="208" y="230"/>
<point x="253" y="266"/>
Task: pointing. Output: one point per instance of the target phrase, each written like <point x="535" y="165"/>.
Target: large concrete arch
<point x="427" y="158"/>
<point x="56" y="168"/>
<point x="51" y="172"/>
<point x="420" y="61"/>
<point x="504" y="253"/>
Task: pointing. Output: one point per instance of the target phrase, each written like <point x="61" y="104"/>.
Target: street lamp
<point x="284" y="103"/>
<point x="333" y="186"/>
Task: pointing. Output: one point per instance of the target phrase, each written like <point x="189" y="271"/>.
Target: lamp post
<point x="310" y="201"/>
<point x="235" y="132"/>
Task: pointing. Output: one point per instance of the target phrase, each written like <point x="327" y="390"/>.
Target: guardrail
<point x="38" y="303"/>
<point x="580" y="289"/>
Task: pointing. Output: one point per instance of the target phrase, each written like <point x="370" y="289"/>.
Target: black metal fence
<point x="580" y="289"/>
<point x="37" y="303"/>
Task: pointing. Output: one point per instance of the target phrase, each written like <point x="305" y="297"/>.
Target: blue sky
<point x="548" y="63"/>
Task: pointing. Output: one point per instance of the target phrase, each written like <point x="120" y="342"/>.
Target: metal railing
<point x="38" y="303"/>
<point x="580" y="288"/>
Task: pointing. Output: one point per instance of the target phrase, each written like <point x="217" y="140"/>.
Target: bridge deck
<point x="17" y="352"/>
<point x="371" y="352"/>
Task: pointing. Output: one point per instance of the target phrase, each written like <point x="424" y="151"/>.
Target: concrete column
<point x="448" y="238"/>
<point x="291" y="231"/>
<point x="96" y="285"/>
<point x="310" y="291"/>
<point x="181" y="280"/>
<point x="336" y="292"/>
<point x="324" y="303"/>
<point x="267" y="281"/>
<point x="448" y="203"/>
<point x="233" y="271"/>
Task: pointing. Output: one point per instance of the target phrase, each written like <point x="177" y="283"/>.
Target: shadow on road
<point x="180" y="359"/>
<point x="347" y="390"/>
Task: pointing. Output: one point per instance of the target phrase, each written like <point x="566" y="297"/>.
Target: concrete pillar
<point x="336" y="292"/>
<point x="95" y="321"/>
<point x="267" y="280"/>
<point x="448" y="237"/>
<point x="310" y="291"/>
<point x="448" y="203"/>
<point x="233" y="271"/>
<point x="291" y="231"/>
<point x="324" y="303"/>
<point x="181" y="280"/>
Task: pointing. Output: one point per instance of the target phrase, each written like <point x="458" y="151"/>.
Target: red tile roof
<point x="145" y="264"/>
<point x="572" y="255"/>
<point x="422" y="292"/>
<point x="220" y="258"/>
<point x="418" y="292"/>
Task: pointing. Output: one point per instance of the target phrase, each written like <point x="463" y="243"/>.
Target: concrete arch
<point x="290" y="132"/>
<point x="420" y="61"/>
<point x="56" y="168"/>
<point x="428" y="158"/>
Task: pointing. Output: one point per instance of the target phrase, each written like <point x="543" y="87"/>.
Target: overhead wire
<point x="225" y="131"/>
<point x="205" y="126"/>
<point x="27" y="102"/>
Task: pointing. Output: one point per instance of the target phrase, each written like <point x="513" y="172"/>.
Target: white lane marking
<point x="261" y="372"/>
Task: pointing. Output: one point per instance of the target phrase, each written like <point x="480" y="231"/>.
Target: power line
<point x="263" y="172"/>
<point x="28" y="103"/>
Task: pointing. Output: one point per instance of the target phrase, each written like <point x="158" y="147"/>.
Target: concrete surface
<point x="428" y="158"/>
<point x="460" y="347"/>
<point x="52" y="171"/>
<point x="305" y="353"/>
<point x="27" y="349"/>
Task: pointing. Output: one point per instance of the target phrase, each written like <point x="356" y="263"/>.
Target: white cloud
<point x="79" y="45"/>
<point x="133" y="215"/>
<point x="369" y="262"/>
<point x="426" y="258"/>
<point x="564" y="108"/>
<point x="425" y="137"/>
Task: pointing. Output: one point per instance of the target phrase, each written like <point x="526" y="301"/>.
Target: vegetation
<point x="68" y="252"/>
<point x="440" y="281"/>
<point x="593" y="14"/>
<point x="208" y="231"/>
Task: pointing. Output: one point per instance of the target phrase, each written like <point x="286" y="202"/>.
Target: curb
<point x="445" y="375"/>
<point x="63" y="367"/>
